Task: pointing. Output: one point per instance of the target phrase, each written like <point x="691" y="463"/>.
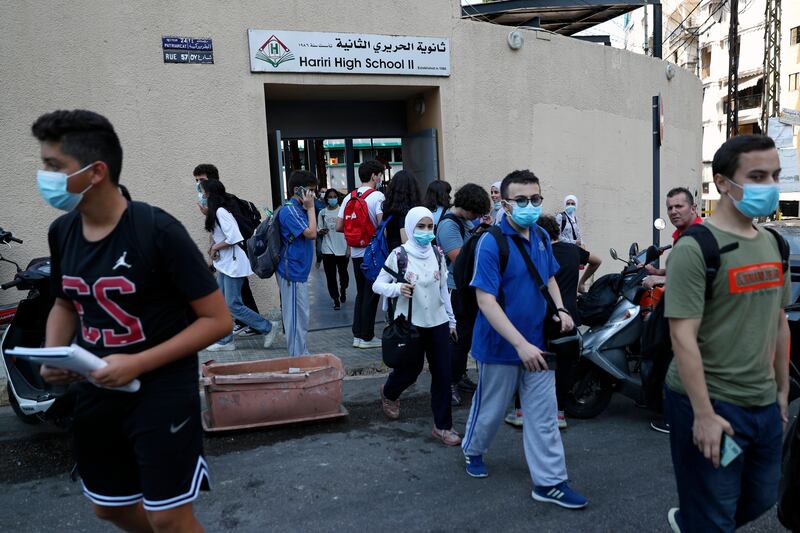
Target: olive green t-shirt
<point x="739" y="326"/>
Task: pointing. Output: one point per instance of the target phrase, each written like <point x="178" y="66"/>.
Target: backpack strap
<point x="563" y="221"/>
<point x="364" y="194"/>
<point x="143" y="220"/>
<point x="783" y="248"/>
<point x="461" y="227"/>
<point x="711" y="252"/>
<point x="502" y="246"/>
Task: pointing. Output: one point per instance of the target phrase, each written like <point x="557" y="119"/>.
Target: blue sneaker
<point x="475" y="466"/>
<point x="561" y="495"/>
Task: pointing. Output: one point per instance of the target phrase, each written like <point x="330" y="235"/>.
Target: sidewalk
<point x="338" y="341"/>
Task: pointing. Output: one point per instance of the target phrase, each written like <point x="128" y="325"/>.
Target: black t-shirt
<point x="570" y="257"/>
<point x="127" y="302"/>
<point x="393" y="228"/>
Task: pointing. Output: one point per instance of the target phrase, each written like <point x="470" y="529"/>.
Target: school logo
<point x="274" y="52"/>
<point x="751" y="278"/>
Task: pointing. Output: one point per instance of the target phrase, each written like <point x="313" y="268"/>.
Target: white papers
<point x="72" y="358"/>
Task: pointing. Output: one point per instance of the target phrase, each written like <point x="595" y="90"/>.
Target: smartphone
<point x="729" y="450"/>
<point x="301" y="192"/>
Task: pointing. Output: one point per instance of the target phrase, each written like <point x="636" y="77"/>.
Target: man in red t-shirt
<point x="682" y="213"/>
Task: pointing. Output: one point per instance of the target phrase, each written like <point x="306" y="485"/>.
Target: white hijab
<point x="497" y="185"/>
<point x="411" y="245"/>
<point x="569" y="197"/>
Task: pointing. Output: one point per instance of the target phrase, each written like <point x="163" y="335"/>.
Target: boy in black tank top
<point x="133" y="288"/>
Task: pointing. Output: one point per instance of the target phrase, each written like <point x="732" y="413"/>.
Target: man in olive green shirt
<point x="729" y="377"/>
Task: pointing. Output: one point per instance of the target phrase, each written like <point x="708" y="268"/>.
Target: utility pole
<point x="733" y="71"/>
<point x="770" y="105"/>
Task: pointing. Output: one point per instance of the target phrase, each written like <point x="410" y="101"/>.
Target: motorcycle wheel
<point x="589" y="392"/>
<point x="27" y="419"/>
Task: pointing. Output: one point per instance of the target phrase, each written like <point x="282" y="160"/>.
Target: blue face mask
<point x="497" y="205"/>
<point x="570" y="209"/>
<point x="333" y="202"/>
<point x="526" y="216"/>
<point x="197" y="187"/>
<point x="757" y="200"/>
<point x="424" y="238"/>
<point x="53" y="188"/>
<point x="202" y="200"/>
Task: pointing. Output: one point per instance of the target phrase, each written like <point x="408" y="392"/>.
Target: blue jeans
<point x="725" y="498"/>
<point x="232" y="291"/>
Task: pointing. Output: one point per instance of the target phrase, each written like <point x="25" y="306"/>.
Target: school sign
<point x="348" y="53"/>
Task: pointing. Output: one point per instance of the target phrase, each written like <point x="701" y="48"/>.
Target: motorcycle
<point x="610" y="358"/>
<point x="32" y="399"/>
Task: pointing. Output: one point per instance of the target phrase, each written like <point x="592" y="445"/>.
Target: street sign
<point x="790" y="116"/>
<point x="187" y="50"/>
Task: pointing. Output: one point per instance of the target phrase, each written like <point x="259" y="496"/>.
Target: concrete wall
<point x="576" y="113"/>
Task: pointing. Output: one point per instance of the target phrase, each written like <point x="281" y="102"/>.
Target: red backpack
<point x="358" y="226"/>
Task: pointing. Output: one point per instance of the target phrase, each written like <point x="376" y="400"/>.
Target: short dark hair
<point x="301" y="178"/>
<point x="85" y="135"/>
<point x="681" y="190"/>
<point x="726" y="160"/>
<point x="473" y="198"/>
<point x="334" y="191"/>
<point x="368" y="168"/>
<point x="438" y="194"/>
<point x="549" y="224"/>
<point x="207" y="170"/>
<point x="518" y="176"/>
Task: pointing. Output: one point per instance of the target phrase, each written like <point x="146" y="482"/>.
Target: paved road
<point x="370" y="474"/>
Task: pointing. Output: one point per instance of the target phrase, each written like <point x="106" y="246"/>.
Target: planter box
<point x="272" y="391"/>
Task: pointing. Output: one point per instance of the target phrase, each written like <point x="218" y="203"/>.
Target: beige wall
<point x="576" y="113"/>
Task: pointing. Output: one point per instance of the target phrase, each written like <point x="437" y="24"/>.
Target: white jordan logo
<point x="121" y="261"/>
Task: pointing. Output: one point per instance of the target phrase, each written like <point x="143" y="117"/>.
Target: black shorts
<point x="142" y="446"/>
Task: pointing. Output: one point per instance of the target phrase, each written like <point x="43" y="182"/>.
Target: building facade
<point x="578" y="114"/>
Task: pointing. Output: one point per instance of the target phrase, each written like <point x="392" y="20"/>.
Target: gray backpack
<point x="264" y="247"/>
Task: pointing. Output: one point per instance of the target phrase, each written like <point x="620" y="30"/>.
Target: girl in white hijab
<point x="497" y="209"/>
<point x="568" y="222"/>
<point x="424" y="281"/>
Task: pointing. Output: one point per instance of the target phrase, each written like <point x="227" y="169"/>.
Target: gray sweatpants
<point x="544" y="451"/>
<point x="294" y="311"/>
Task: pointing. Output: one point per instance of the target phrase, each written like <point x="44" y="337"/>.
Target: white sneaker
<point x="217" y="347"/>
<point x="365" y="345"/>
<point x="357" y="342"/>
<point x="269" y="338"/>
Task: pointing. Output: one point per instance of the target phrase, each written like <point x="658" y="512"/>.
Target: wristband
<point x="562" y="310"/>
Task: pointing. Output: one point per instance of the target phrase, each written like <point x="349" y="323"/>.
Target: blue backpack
<point x="376" y="253"/>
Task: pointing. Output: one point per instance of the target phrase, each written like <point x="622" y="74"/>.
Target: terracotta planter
<point x="272" y="391"/>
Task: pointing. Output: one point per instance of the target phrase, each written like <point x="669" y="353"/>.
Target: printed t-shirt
<point x="522" y="301"/>
<point x="297" y="252"/>
<point x="127" y="302"/>
<point x="739" y="326"/>
<point x="375" y="208"/>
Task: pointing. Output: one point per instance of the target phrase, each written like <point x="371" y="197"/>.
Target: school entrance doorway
<point x="329" y="131"/>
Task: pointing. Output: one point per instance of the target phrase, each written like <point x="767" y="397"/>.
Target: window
<point x="705" y="62"/>
<point x="793" y="81"/>
<point x="794" y="36"/>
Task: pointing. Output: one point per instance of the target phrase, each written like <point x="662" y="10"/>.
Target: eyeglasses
<point x="522" y="201"/>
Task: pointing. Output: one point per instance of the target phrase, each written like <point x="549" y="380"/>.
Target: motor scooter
<point x="32" y="399"/>
<point x="610" y="358"/>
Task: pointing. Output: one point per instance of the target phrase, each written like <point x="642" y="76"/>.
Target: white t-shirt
<point x="232" y="260"/>
<point x="333" y="242"/>
<point x="375" y="207"/>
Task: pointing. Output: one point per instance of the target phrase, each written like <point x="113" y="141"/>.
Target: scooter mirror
<point x="634" y="250"/>
<point x="659" y="224"/>
<point x="613" y="253"/>
<point x="652" y="254"/>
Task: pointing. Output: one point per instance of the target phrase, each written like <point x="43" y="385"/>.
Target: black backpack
<point x="596" y="306"/>
<point x="464" y="267"/>
<point x="247" y="217"/>
<point x="656" y="345"/>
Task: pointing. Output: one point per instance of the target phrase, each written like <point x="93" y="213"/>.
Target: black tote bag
<point x="401" y="343"/>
